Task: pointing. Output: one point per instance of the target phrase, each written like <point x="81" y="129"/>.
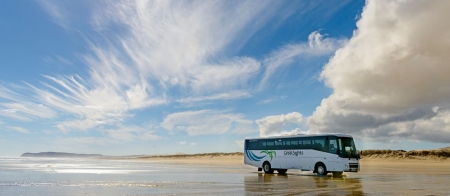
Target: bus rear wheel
<point x="321" y="169"/>
<point x="267" y="168"/>
<point x="281" y="171"/>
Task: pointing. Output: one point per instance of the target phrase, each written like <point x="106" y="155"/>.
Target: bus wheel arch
<point x="320" y="169"/>
<point x="267" y="168"/>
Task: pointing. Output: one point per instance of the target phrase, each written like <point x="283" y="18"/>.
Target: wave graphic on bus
<point x="253" y="157"/>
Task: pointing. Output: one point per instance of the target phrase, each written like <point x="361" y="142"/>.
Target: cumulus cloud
<point x="274" y="125"/>
<point x="391" y="79"/>
<point x="182" y="143"/>
<point x="205" y="122"/>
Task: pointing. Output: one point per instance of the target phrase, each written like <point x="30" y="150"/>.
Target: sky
<point x="165" y="77"/>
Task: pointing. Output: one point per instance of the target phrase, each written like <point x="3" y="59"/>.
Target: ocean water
<point x="48" y="176"/>
<point x="45" y="176"/>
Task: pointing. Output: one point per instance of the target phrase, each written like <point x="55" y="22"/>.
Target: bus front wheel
<point x="321" y="169"/>
<point x="267" y="168"/>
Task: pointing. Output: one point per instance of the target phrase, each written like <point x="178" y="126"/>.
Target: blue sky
<point x="151" y="77"/>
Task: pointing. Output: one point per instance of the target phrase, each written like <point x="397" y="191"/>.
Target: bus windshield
<point x="347" y="148"/>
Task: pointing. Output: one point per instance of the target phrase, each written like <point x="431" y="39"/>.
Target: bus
<point x="320" y="153"/>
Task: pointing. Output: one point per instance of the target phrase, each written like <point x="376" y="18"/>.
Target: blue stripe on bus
<point x="253" y="157"/>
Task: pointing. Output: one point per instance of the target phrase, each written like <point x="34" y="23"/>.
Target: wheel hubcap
<point x="320" y="170"/>
<point x="266" y="167"/>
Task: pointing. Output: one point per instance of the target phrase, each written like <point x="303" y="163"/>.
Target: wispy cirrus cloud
<point x="18" y="129"/>
<point x="152" y="53"/>
<point x="130" y="133"/>
<point x="220" y="96"/>
<point x="291" y="54"/>
<point x="207" y="122"/>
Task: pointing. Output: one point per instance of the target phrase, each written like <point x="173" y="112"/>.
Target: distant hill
<point x="60" y="155"/>
<point x="445" y="148"/>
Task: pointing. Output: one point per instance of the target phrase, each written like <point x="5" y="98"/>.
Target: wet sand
<point x="377" y="177"/>
<point x="214" y="175"/>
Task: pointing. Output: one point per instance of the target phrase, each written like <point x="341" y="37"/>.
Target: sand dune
<point x="419" y="155"/>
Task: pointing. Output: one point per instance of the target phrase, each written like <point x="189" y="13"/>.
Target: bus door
<point x="333" y="158"/>
<point x="305" y="160"/>
<point x="278" y="160"/>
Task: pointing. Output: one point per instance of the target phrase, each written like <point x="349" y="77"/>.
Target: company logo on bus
<point x="293" y="152"/>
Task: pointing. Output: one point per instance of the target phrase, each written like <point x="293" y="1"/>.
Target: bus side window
<point x="333" y="145"/>
<point x="307" y="144"/>
<point x="270" y="145"/>
<point x="253" y="145"/>
<point x="294" y="144"/>
<point x="300" y="144"/>
<point x="319" y="144"/>
<point x="278" y="144"/>
<point x="262" y="144"/>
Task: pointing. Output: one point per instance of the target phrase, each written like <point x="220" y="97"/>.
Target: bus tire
<point x="281" y="171"/>
<point x="267" y="168"/>
<point x="321" y="169"/>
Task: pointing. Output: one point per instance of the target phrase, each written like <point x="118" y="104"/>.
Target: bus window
<point x="333" y="145"/>
<point x="294" y="142"/>
<point x="253" y="145"/>
<point x="287" y="142"/>
<point x="306" y="144"/>
<point x="319" y="143"/>
<point x="263" y="144"/>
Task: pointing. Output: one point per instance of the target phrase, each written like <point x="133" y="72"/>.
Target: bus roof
<point x="302" y="135"/>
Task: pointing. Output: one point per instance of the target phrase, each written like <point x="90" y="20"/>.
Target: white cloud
<point x="391" y="79"/>
<point x="220" y="96"/>
<point x="174" y="46"/>
<point x="131" y="133"/>
<point x="271" y="100"/>
<point x="273" y="125"/>
<point x="85" y="141"/>
<point x="182" y="143"/>
<point x="57" y="12"/>
<point x="193" y="144"/>
<point x="239" y="143"/>
<point x="205" y="122"/>
<point x="18" y="129"/>
<point x="292" y="53"/>
<point x="158" y="52"/>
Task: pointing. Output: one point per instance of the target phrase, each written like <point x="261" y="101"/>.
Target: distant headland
<point x="60" y="155"/>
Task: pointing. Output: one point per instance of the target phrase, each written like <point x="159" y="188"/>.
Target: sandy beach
<point x="214" y="174"/>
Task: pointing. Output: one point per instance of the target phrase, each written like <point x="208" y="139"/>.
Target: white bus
<point x="321" y="153"/>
